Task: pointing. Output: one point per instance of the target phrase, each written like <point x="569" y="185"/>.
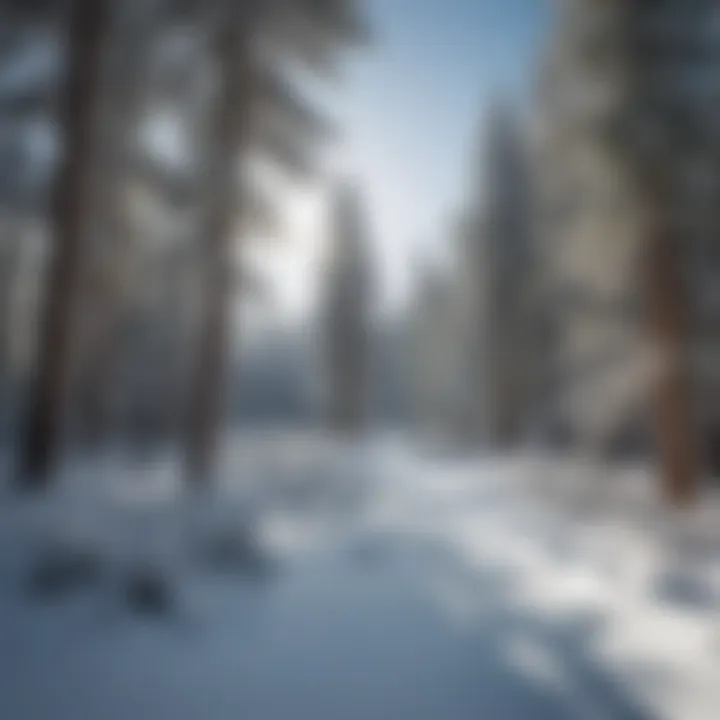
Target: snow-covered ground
<point x="377" y="581"/>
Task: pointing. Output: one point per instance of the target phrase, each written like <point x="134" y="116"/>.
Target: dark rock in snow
<point x="149" y="592"/>
<point x="59" y="571"/>
<point x="236" y="552"/>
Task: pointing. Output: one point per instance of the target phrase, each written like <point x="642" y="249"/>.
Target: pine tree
<point x="495" y="250"/>
<point x="108" y="257"/>
<point x="347" y="307"/>
<point x="255" y="108"/>
<point x="627" y="122"/>
<point x="78" y="105"/>
<point x="435" y="351"/>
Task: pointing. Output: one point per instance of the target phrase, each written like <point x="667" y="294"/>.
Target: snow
<point x="364" y="581"/>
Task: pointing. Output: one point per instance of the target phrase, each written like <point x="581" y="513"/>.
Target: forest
<point x="359" y="359"/>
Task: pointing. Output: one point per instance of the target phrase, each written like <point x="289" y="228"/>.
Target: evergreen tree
<point x="627" y="123"/>
<point x="245" y="48"/>
<point x="436" y="346"/>
<point x="78" y="105"/>
<point x="255" y="108"/>
<point x="496" y="266"/>
<point x="347" y="304"/>
<point x="113" y="240"/>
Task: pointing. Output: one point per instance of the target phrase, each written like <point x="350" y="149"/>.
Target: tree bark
<point x="231" y="124"/>
<point x="125" y="84"/>
<point x="41" y="443"/>
<point x="673" y="417"/>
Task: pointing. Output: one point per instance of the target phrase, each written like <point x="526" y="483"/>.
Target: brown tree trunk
<point x="41" y="446"/>
<point x="673" y="417"/>
<point x="231" y="123"/>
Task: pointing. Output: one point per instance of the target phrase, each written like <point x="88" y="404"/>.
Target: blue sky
<point x="412" y="106"/>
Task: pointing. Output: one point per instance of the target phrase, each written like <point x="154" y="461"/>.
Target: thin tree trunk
<point x="673" y="417"/>
<point x="231" y="123"/>
<point x="77" y="113"/>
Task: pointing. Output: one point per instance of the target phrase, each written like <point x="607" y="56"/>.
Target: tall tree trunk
<point x="88" y="24"/>
<point x="122" y="108"/>
<point x="673" y="417"/>
<point x="231" y="123"/>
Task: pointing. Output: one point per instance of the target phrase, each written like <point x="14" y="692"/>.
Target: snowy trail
<point x="403" y="587"/>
